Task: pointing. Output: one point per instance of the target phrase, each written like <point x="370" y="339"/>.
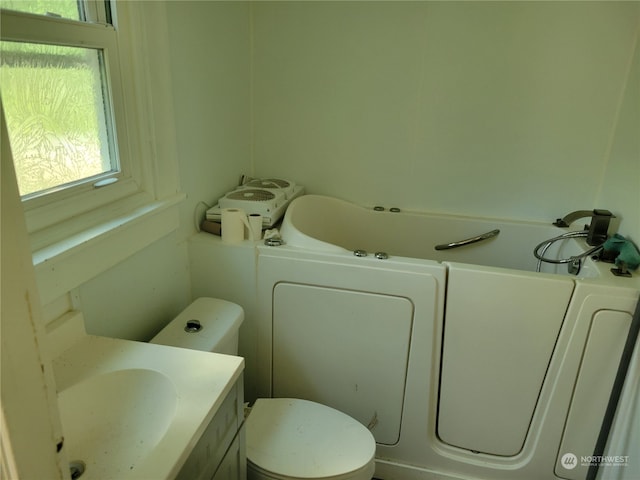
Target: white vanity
<point x="137" y="410"/>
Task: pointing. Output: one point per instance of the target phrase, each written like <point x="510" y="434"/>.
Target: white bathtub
<point x="327" y="224"/>
<point x="463" y="362"/>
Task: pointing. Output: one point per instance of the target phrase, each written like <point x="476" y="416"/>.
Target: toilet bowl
<point x="287" y="439"/>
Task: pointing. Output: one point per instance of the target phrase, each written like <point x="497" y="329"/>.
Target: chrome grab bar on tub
<point x="468" y="241"/>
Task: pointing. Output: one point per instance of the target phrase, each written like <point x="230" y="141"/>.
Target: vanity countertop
<point x="196" y="381"/>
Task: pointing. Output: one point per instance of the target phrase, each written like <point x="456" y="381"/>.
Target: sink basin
<point x="113" y="420"/>
<point x="134" y="410"/>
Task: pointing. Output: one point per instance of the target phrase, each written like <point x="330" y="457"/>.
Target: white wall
<point x="620" y="188"/>
<point x="210" y="64"/>
<point x="482" y="108"/>
<point x="137" y="297"/>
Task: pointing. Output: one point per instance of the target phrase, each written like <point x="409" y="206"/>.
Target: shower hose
<point x="547" y="243"/>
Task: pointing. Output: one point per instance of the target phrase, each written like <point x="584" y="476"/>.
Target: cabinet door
<point x="345" y="349"/>
<point x="234" y="463"/>
<point x="209" y="451"/>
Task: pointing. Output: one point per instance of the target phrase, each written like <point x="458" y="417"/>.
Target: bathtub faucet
<point x="597" y="230"/>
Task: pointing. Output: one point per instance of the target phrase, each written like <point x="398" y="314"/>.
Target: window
<point x="58" y="118"/>
<point x="56" y="94"/>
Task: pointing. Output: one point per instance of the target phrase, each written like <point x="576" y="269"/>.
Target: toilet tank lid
<point x="302" y="439"/>
<point x="219" y="319"/>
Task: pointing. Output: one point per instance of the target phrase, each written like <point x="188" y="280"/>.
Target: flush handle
<point x="193" y="326"/>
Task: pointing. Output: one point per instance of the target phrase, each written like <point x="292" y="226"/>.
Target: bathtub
<point x="329" y="224"/>
<point x="463" y="362"/>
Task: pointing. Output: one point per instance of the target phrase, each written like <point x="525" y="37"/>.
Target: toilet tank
<point x="208" y="324"/>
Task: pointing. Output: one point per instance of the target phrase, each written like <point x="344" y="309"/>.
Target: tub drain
<point x="76" y="468"/>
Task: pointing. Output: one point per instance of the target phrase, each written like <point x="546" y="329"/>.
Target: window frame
<point x="52" y="216"/>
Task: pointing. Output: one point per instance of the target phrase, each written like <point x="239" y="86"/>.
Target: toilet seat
<point x="298" y="439"/>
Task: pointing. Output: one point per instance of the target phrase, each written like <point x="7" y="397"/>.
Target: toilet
<point x="287" y="438"/>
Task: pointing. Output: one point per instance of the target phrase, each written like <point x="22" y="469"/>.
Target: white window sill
<point x="66" y="264"/>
